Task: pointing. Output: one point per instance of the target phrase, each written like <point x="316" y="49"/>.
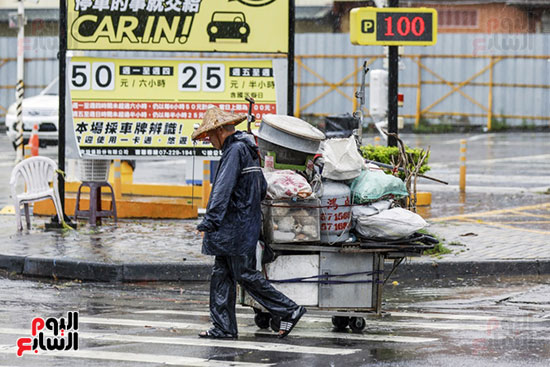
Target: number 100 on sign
<point x="393" y="26"/>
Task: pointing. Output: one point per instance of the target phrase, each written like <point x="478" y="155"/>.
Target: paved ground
<point x="503" y="216"/>
<point x="477" y="322"/>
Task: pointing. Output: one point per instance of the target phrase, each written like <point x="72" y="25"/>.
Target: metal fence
<point x="463" y="79"/>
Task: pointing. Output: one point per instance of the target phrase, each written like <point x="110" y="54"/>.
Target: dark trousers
<point x="227" y="271"/>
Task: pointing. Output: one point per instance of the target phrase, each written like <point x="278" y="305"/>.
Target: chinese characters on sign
<point x="178" y="25"/>
<point x="149" y="107"/>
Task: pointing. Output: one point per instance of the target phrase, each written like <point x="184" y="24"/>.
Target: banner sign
<point x="393" y="26"/>
<point x="148" y="108"/>
<point x="179" y="25"/>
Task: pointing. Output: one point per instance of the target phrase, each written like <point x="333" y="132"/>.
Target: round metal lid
<point x="294" y="126"/>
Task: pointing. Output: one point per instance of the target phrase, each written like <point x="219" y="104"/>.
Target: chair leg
<point x="77" y="204"/>
<point x="113" y="204"/>
<point x="98" y="206"/>
<point x="58" y="208"/>
<point x="93" y="206"/>
<point x="18" y="216"/>
<point x="27" y="215"/>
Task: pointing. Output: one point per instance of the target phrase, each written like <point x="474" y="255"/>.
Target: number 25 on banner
<point x="100" y="74"/>
<point x="196" y="77"/>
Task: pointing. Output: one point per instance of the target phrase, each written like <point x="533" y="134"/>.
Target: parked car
<point x="43" y="110"/>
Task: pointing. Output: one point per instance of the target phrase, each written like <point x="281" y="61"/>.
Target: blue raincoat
<point x="233" y="216"/>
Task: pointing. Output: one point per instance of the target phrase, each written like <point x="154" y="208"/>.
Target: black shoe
<point x="216" y="334"/>
<point x="288" y="324"/>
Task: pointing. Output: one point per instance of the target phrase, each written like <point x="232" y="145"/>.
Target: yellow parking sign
<point x="393" y="26"/>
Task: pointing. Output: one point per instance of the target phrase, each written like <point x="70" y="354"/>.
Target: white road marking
<point x="378" y="322"/>
<point x="244" y="330"/>
<point x="131" y="357"/>
<point x="196" y="341"/>
<point x="465" y="317"/>
<point x="326" y="320"/>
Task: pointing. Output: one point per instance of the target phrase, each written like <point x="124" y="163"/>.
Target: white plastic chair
<point x="37" y="173"/>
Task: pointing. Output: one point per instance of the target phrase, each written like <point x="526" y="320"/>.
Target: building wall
<point x="491" y="18"/>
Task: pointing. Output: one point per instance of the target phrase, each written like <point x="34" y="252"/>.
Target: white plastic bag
<point x="368" y="210"/>
<point x="342" y="160"/>
<point x="285" y="184"/>
<point x="391" y="224"/>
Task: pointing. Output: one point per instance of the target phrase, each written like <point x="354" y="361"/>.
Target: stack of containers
<point x="289" y="143"/>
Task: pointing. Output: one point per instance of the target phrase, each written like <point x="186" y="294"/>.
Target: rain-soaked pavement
<point x="504" y="170"/>
<point x="476" y="322"/>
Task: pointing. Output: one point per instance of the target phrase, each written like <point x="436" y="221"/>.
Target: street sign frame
<point x="393" y="26"/>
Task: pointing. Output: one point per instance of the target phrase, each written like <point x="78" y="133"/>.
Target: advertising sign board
<point x="260" y="26"/>
<point x="148" y="108"/>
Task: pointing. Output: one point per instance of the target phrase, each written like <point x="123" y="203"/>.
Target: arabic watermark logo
<point x="505" y="335"/>
<point x="505" y="34"/>
<point x="64" y="338"/>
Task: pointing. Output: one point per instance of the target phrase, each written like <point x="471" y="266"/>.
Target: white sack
<point x="285" y="184"/>
<point x="391" y="224"/>
<point x="342" y="159"/>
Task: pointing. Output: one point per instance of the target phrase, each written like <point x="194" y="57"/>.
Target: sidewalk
<point x="169" y="250"/>
<point x="500" y="226"/>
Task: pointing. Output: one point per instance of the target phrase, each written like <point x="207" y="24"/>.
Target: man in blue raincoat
<point x="231" y="228"/>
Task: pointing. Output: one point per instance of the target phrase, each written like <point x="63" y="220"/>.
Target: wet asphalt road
<point x="476" y="322"/>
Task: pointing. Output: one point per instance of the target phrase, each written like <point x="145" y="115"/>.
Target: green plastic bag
<point x="373" y="185"/>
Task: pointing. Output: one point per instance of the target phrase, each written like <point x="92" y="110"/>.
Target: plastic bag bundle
<point x="342" y="160"/>
<point x="372" y="185"/>
<point x="285" y="184"/>
<point x="391" y="224"/>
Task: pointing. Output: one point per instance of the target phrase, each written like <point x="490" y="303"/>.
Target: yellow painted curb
<point x="423" y="198"/>
<point x="151" y="207"/>
<point x="8" y="209"/>
<point x="179" y="191"/>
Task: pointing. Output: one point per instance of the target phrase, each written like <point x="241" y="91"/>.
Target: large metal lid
<point x="294" y="126"/>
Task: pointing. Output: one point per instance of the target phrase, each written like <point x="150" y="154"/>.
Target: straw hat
<point x="214" y="118"/>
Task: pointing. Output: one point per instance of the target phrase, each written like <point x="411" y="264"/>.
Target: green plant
<point x="438" y="249"/>
<point x="499" y="124"/>
<point x="426" y="127"/>
<point x="390" y="155"/>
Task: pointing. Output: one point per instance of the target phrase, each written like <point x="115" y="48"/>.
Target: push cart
<point x="344" y="281"/>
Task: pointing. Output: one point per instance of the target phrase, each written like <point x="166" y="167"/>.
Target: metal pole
<point x="290" y="58"/>
<point x="393" y="70"/>
<point x="61" y="124"/>
<point x="20" y="87"/>
<point x="462" y="179"/>
<point x="490" y="108"/>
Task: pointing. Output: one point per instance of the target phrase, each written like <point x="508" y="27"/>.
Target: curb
<point x="200" y="271"/>
<point x="32" y="266"/>
<point x="454" y="269"/>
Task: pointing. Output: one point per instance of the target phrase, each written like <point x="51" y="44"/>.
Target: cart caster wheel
<point x="262" y="320"/>
<point x="275" y="323"/>
<point x="357" y="324"/>
<point x="340" y="322"/>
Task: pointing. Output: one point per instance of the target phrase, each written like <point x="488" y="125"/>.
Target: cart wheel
<point x="262" y="320"/>
<point x="340" y="322"/>
<point x="275" y="323"/>
<point x="357" y="324"/>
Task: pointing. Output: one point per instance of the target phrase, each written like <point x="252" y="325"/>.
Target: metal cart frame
<point x="342" y="317"/>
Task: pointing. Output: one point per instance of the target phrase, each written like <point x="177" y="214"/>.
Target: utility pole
<point x="393" y="74"/>
<point x="20" y="86"/>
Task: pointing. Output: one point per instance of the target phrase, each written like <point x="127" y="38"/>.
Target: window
<point x="454" y="18"/>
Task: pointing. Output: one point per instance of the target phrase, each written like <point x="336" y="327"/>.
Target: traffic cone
<point x="33" y="141"/>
